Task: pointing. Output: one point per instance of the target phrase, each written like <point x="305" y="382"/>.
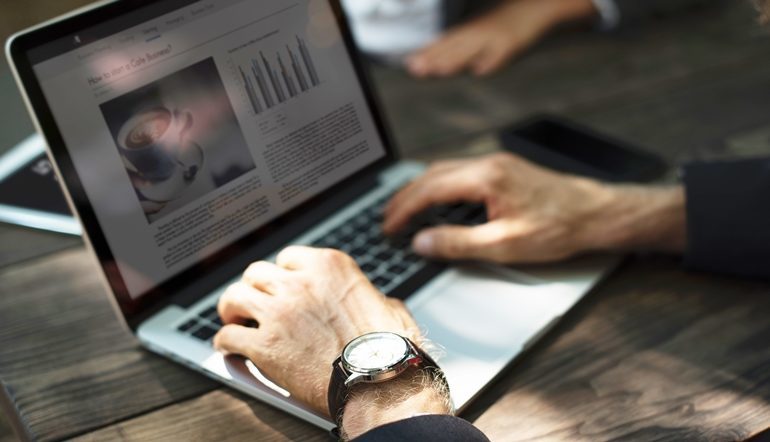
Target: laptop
<point x="195" y="137"/>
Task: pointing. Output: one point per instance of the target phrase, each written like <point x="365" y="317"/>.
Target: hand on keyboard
<point x="388" y="261"/>
<point x="535" y="214"/>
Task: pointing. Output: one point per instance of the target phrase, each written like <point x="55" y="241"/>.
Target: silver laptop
<point x="195" y="137"/>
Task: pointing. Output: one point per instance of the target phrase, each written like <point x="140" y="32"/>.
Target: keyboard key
<point x="381" y="281"/>
<point x="358" y="252"/>
<point x="217" y="321"/>
<point x="361" y="222"/>
<point x="369" y="267"/>
<point x="205" y="333"/>
<point x="346" y="240"/>
<point x="400" y="242"/>
<point x="187" y="325"/>
<point x="209" y="312"/>
<point x="398" y="269"/>
<point x="213" y="316"/>
<point x="411" y="258"/>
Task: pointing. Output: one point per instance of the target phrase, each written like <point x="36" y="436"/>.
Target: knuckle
<point x="289" y="249"/>
<point x="334" y="257"/>
<point x="255" y="268"/>
<point x="495" y="172"/>
<point x="228" y="296"/>
<point x="287" y="252"/>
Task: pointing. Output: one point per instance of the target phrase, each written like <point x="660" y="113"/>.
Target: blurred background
<point x="14" y="16"/>
<point x="19" y="14"/>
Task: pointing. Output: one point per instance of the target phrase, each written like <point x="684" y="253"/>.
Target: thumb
<point x="458" y="242"/>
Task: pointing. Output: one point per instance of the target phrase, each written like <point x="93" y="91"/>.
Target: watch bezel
<point x="379" y="374"/>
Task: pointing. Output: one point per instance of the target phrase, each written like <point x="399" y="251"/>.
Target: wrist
<point x="416" y="392"/>
<point x="638" y="218"/>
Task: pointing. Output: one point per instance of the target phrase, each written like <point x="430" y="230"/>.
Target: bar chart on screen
<point x="271" y="78"/>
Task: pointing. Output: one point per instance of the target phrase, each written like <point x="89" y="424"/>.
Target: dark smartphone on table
<point x="565" y="146"/>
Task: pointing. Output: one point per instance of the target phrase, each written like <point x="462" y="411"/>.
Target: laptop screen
<point x="191" y="125"/>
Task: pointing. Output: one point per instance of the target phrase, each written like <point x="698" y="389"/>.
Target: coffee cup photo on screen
<point x="178" y="138"/>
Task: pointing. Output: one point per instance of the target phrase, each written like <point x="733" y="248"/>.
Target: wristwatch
<point x="370" y="359"/>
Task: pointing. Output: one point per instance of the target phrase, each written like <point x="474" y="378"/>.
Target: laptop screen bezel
<point x="134" y="308"/>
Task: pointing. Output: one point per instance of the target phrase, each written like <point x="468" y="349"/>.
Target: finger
<point x="294" y="257"/>
<point x="460" y="185"/>
<point x="241" y="302"/>
<point x="492" y="59"/>
<point x="433" y="171"/>
<point x="420" y="63"/>
<point x="265" y="276"/>
<point x="483" y="242"/>
<point x="458" y="59"/>
<point x="423" y="62"/>
<point x="297" y="257"/>
<point x="447" y="56"/>
<point x="237" y="339"/>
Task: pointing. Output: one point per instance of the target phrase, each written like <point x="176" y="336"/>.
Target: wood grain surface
<point x="66" y="363"/>
<point x="219" y="415"/>
<point x="655" y="353"/>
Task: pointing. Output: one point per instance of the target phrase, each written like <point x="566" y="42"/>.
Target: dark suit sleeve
<point x="728" y="217"/>
<point x="635" y="11"/>
<point x="426" y="428"/>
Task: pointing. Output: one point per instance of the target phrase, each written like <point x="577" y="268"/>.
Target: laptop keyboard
<point x="387" y="261"/>
<point x="204" y="326"/>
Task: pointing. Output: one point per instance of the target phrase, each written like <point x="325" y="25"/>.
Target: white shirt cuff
<point x="609" y="14"/>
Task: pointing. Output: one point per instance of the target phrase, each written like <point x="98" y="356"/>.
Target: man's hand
<point x="537" y="215"/>
<point x="486" y="43"/>
<point x="309" y="305"/>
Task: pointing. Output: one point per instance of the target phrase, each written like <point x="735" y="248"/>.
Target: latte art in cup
<point x="151" y="140"/>
<point x="148" y="131"/>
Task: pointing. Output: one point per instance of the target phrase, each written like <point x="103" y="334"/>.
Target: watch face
<point x="375" y="352"/>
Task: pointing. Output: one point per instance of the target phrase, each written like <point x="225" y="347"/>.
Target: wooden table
<point x="653" y="353"/>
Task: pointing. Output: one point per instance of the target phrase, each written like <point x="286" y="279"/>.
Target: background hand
<point x="309" y="305"/>
<point x="535" y="214"/>
<point x="486" y="43"/>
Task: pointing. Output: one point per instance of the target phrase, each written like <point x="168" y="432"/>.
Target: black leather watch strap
<point x="338" y="392"/>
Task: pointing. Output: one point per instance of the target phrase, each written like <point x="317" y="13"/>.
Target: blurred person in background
<point x="437" y="38"/>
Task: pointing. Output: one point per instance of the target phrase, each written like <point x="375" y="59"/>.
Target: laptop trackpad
<point x="480" y="318"/>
